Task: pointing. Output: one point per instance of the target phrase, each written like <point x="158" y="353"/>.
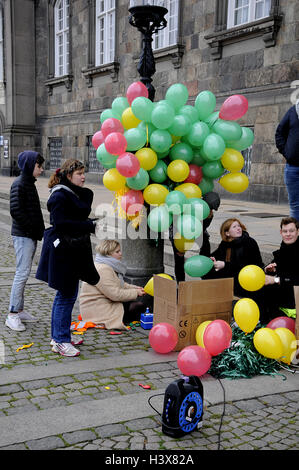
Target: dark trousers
<point x="134" y="308"/>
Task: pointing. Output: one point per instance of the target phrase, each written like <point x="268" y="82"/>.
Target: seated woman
<point x="236" y="250"/>
<point x="112" y="302"/>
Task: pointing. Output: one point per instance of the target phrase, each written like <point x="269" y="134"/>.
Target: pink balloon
<point x="115" y="143"/>
<point x="163" y="338"/>
<point x="217" y="336"/>
<point x="282" y="322"/>
<point x="195" y="174"/>
<point x="135" y="90"/>
<point x="132" y="202"/>
<point x="128" y="165"/>
<point x="194" y="360"/>
<point x="112" y="125"/>
<point x="97" y="139"/>
<point x="233" y="108"/>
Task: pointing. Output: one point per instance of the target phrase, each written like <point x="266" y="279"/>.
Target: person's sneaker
<point x="26" y="317"/>
<point x="65" y="349"/>
<point x="13" y="322"/>
<point x="74" y="342"/>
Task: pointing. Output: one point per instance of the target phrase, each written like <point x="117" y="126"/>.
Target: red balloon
<point x="282" y="322"/>
<point x="163" y="338"/>
<point x="115" y="143"/>
<point x="128" y="165"/>
<point x="217" y="336"/>
<point x="112" y="125"/>
<point x="233" y="108"/>
<point x="194" y="360"/>
<point x="195" y="174"/>
<point x="132" y="202"/>
<point x="97" y="139"/>
<point x="135" y="90"/>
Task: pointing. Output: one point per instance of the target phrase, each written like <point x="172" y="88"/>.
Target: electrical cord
<point x="222" y="416"/>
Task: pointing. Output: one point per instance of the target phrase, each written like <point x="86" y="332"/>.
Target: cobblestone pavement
<point x="269" y="421"/>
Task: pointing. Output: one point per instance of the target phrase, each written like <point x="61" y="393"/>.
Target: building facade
<point x="64" y="61"/>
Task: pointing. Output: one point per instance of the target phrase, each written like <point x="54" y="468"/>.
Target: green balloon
<point x="136" y="139"/>
<point x="142" y="108"/>
<point x="159" y="219"/>
<point x="139" y="181"/>
<point x="205" y="104"/>
<point x="180" y="126"/>
<point x="181" y="151"/>
<point x="105" y="158"/>
<point x="244" y="142"/>
<point x="160" y="140"/>
<point x="198" y="208"/>
<point x="213" y="146"/>
<point x="228" y="130"/>
<point x="198" y="265"/>
<point x="108" y="113"/>
<point x="177" y="95"/>
<point x="162" y="155"/>
<point x="212" y="118"/>
<point x="206" y="185"/>
<point x="147" y="127"/>
<point x="119" y="104"/>
<point x="213" y="169"/>
<point x="175" y="201"/>
<point x="159" y="173"/>
<point x="189" y="111"/>
<point x="198" y="133"/>
<point x="189" y="226"/>
<point x="198" y="159"/>
<point x="162" y="116"/>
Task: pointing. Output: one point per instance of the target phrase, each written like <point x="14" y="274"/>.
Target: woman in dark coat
<point x="66" y="255"/>
<point x="236" y="250"/>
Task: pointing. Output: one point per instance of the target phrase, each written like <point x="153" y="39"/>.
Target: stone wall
<point x="249" y="65"/>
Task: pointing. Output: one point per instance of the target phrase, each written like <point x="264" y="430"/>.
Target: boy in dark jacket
<point x="287" y="142"/>
<point x="27" y="227"/>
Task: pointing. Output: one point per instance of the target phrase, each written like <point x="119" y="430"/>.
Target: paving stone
<point x="47" y="443"/>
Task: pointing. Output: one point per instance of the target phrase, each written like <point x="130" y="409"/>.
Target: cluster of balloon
<point x="168" y="154"/>
<point x="277" y="340"/>
<point x="212" y="337"/>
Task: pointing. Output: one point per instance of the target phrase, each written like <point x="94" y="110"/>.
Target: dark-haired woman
<point x="66" y="255"/>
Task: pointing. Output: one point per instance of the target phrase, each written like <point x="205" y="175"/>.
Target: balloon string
<point x="147" y="142"/>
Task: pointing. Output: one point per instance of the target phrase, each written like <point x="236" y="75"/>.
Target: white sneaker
<point x="65" y="349"/>
<point x="26" y="317"/>
<point x="13" y="322"/>
<point x="74" y="342"/>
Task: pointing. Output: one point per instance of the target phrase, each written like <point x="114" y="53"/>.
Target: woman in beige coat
<point x="111" y="301"/>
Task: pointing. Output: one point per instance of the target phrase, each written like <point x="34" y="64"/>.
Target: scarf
<point x="119" y="267"/>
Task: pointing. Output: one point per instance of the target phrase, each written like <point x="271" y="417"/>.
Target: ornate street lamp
<point x="148" y="17"/>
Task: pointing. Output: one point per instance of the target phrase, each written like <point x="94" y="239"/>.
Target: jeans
<point x="25" y="249"/>
<point x="62" y="316"/>
<point x="291" y="179"/>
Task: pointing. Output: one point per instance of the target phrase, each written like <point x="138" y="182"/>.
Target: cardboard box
<point x="191" y="303"/>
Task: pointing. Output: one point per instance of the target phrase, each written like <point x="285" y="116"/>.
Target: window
<point x="105" y="31"/>
<point x="168" y="36"/>
<point x="55" y="150"/>
<point x="62" y="50"/>
<point x="245" y="11"/>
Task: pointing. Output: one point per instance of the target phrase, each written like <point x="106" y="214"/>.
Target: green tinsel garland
<point x="241" y="359"/>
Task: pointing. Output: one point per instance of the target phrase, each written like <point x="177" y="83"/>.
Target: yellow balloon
<point x="147" y="158"/>
<point x="232" y="160"/>
<point x="128" y="119"/>
<point x="289" y="344"/>
<point x="178" y="170"/>
<point x="268" y="343"/>
<point x="252" y="277"/>
<point x="246" y="314"/>
<point x="113" y="180"/>
<point x="189" y="189"/>
<point x="149" y="286"/>
<point x="200" y="332"/>
<point x="234" y="182"/>
<point x="182" y="244"/>
<point x="155" y="194"/>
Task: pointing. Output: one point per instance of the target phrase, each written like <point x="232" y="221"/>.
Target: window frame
<point x="62" y="38"/>
<point x="103" y="53"/>
<point x="266" y="27"/>
<point x="163" y="35"/>
<point x="231" y="9"/>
